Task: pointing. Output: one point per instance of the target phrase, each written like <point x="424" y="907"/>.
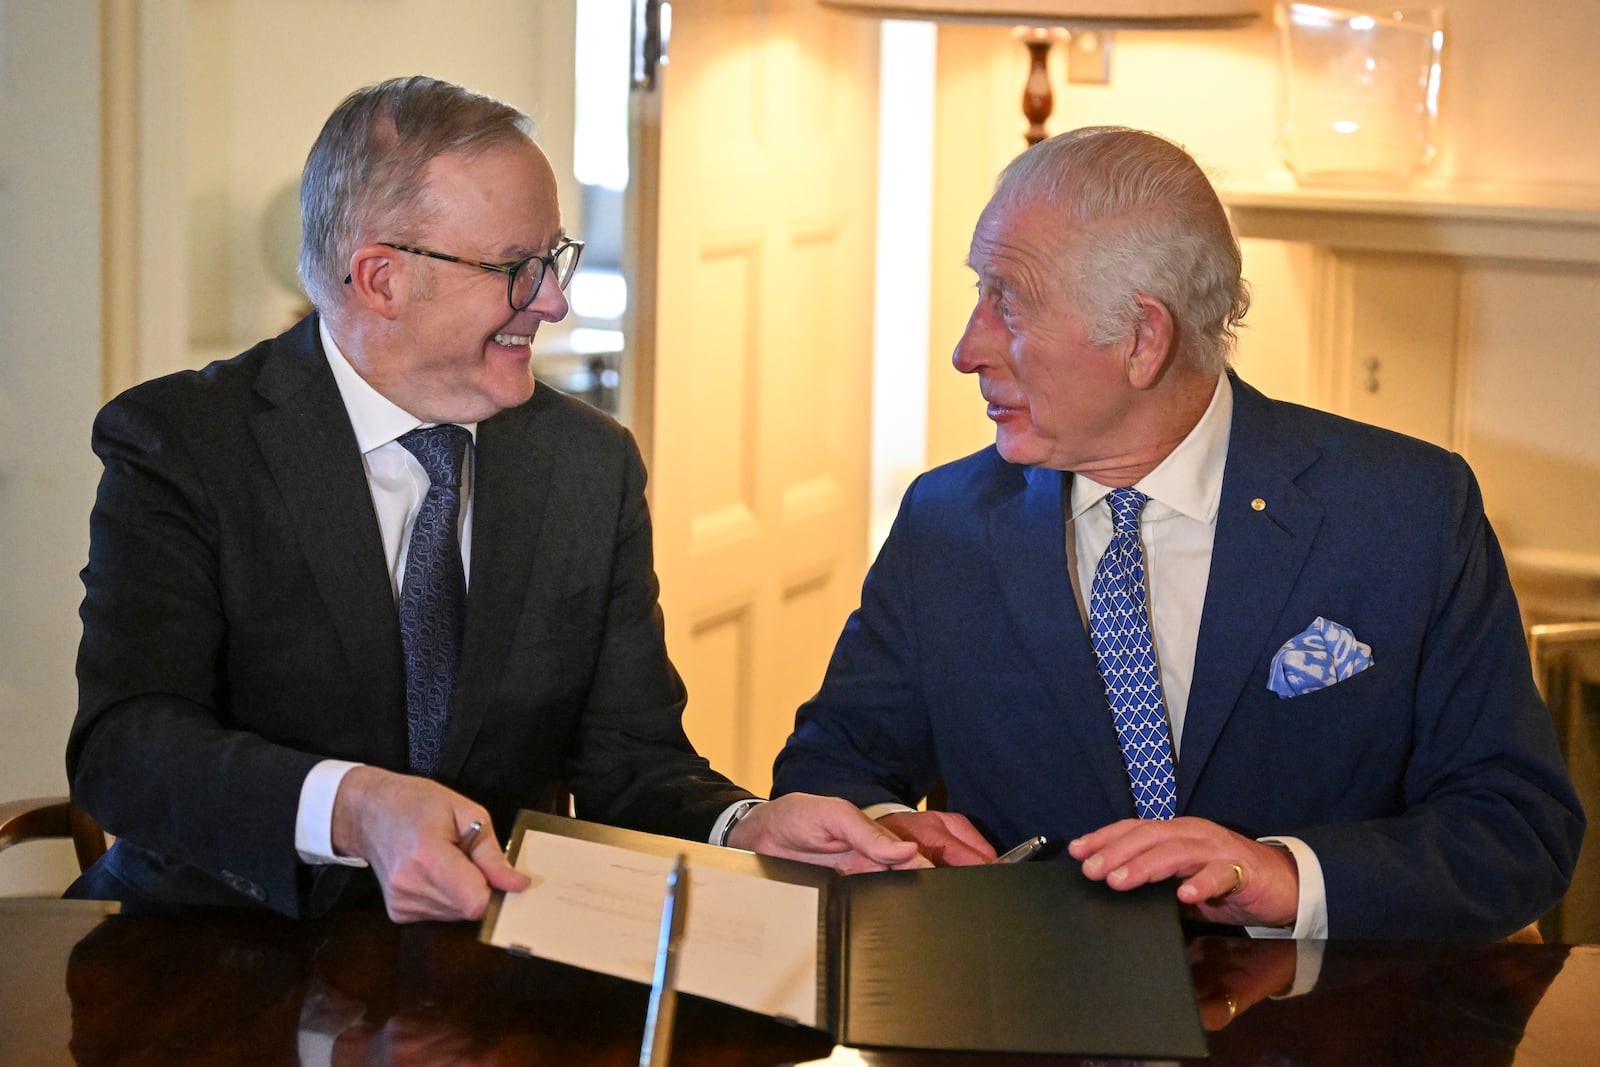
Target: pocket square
<point x="1317" y="657"/>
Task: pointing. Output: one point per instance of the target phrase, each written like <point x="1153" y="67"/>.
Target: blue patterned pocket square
<point x="1317" y="657"/>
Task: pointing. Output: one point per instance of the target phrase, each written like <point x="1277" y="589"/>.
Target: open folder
<point x="1029" y="957"/>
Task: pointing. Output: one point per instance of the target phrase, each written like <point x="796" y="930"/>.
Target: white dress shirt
<point x="398" y="484"/>
<point x="1177" y="529"/>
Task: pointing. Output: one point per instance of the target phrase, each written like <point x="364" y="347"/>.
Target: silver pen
<point x="657" y="1047"/>
<point x="1024" y="850"/>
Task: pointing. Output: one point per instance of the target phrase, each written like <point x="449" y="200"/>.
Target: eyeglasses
<point x="524" y="277"/>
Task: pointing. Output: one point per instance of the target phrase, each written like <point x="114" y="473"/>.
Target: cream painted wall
<point x="49" y="389"/>
<point x="261" y="79"/>
<point x="1530" y="402"/>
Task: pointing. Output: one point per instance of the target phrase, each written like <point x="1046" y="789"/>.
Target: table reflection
<point x="358" y="989"/>
<point x="240" y="987"/>
<point x="1366" y="1004"/>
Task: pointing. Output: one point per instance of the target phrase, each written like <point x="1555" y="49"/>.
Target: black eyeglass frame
<point x="510" y="270"/>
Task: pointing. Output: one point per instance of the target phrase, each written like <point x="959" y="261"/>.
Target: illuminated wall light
<point x="598" y="294"/>
<point x="588" y="341"/>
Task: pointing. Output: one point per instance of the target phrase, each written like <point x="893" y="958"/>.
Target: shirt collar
<point x="1189" y="480"/>
<point x="376" y="419"/>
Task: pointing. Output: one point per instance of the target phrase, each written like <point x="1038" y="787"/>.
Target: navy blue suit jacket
<point x="239" y="625"/>
<point x="1430" y="785"/>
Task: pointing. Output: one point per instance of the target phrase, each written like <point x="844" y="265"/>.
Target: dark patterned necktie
<point x="1119" y="628"/>
<point x="433" y="594"/>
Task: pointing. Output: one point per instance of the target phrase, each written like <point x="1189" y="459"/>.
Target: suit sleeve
<point x="152" y="754"/>
<point x="866" y="735"/>
<point x="631" y="764"/>
<point x="1490" y="824"/>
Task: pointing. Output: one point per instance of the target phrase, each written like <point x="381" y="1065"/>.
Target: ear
<point x="375" y="280"/>
<point x="1153" y="342"/>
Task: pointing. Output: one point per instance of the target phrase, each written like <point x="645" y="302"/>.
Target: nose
<point x="550" y="302"/>
<point x="972" y="349"/>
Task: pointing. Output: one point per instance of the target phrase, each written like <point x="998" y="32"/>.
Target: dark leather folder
<point x="1028" y="957"/>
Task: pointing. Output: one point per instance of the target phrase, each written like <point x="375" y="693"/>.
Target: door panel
<point x="761" y="370"/>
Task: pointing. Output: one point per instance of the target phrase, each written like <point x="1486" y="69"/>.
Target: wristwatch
<point x="739" y="811"/>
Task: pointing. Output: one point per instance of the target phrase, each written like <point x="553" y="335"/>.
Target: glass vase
<point x="1358" y="92"/>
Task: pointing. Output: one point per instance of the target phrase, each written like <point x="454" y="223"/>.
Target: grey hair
<point x="1141" y="217"/>
<point x="366" y="175"/>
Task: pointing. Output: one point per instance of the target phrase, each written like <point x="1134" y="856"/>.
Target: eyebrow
<point x="515" y="253"/>
<point x="991" y="278"/>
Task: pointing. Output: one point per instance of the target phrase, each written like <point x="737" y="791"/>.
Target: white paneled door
<point x="756" y="334"/>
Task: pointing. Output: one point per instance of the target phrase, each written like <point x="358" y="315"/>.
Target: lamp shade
<point x="1096" y="14"/>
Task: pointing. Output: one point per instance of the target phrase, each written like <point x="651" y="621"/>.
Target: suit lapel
<point x="1255" y="561"/>
<point x="311" y="454"/>
<point x="1028" y="532"/>
<point x="513" y="467"/>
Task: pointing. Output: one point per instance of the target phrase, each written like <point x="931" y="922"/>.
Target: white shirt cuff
<point x="730" y="815"/>
<point x="1311" y="915"/>
<point x="888" y="807"/>
<point x="1307" y="968"/>
<point x="313" y="821"/>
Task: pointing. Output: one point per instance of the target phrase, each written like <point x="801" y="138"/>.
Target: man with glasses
<point x="360" y="594"/>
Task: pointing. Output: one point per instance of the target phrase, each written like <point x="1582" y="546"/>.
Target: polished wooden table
<point x="79" y="984"/>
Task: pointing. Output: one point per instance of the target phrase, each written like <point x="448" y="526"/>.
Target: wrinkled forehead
<point x="1009" y="230"/>
<point x="506" y="191"/>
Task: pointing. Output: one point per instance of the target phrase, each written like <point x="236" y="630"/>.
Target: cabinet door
<point x="1388" y="341"/>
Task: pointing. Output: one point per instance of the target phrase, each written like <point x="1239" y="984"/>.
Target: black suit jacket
<point x="239" y="626"/>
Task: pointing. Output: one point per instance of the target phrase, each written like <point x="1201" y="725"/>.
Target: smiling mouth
<point x="514" y="340"/>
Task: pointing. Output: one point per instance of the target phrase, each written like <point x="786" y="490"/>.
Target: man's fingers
<point x="868" y="846"/>
<point x="936" y="835"/>
<point x="417" y="835"/>
<point x="1226" y="877"/>
<point x="876" y="842"/>
<point x="887" y="850"/>
<point x="961" y="829"/>
<point x="486" y="855"/>
<point x="1115" y="842"/>
<point x="1136" y="851"/>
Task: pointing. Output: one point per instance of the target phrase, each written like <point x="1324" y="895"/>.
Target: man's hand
<point x="407" y="828"/>
<point x="822" y="830"/>
<point x="948" y="839"/>
<point x="1233" y="974"/>
<point x="1264" y="890"/>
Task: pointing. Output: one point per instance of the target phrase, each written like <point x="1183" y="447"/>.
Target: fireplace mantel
<point x="1543" y="224"/>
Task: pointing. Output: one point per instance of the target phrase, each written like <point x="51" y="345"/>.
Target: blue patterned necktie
<point x="1119" y="628"/>
<point x="433" y="594"/>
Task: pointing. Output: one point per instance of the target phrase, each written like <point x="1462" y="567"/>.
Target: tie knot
<point x="440" y="450"/>
<point x="1126" y="504"/>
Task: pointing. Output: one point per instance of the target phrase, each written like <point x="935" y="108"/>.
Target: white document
<point x="747" y="941"/>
